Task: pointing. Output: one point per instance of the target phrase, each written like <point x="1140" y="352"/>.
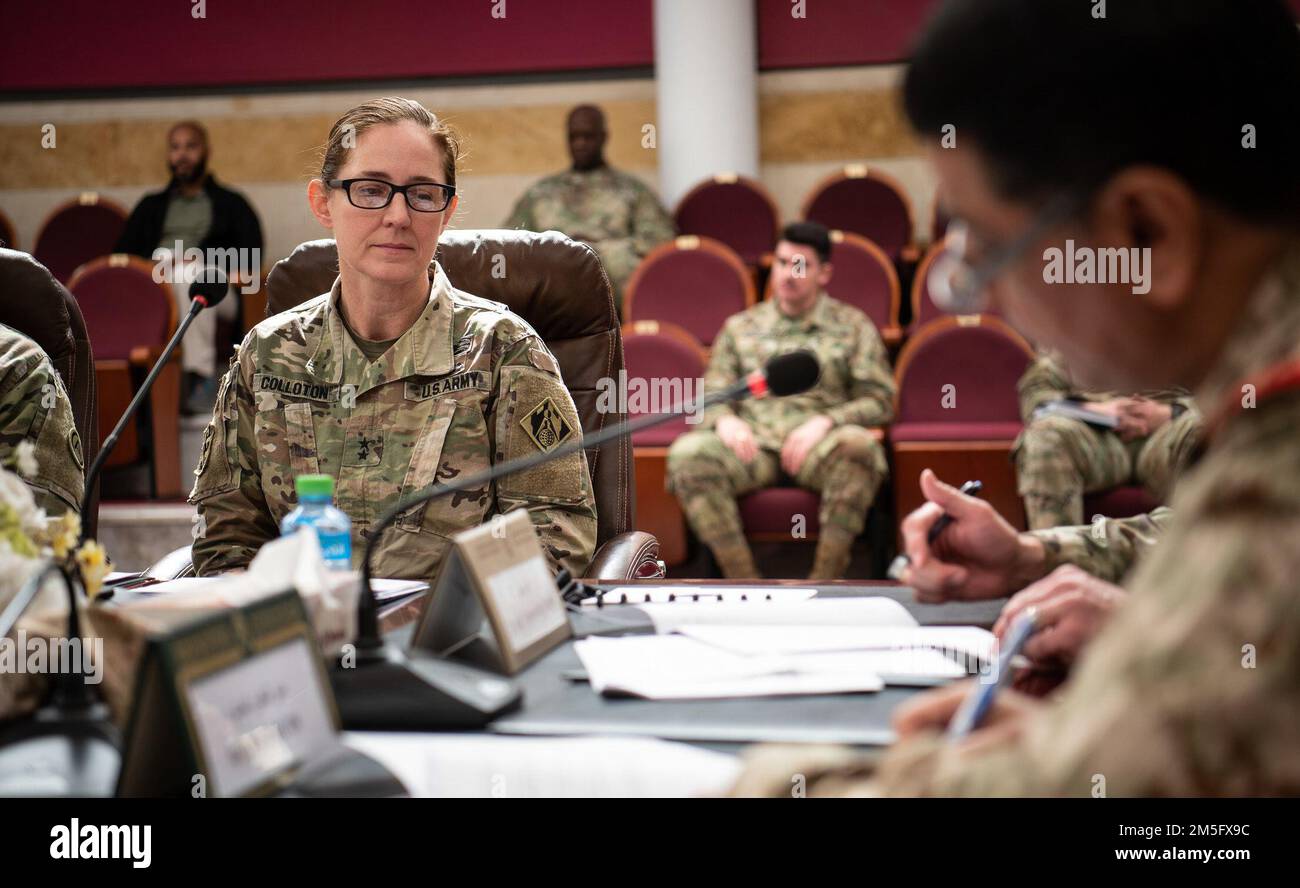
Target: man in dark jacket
<point x="194" y="213"/>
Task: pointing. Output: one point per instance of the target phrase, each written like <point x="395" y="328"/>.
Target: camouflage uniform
<point x="1191" y="689"/>
<point x="467" y="386"/>
<point x="1058" y="460"/>
<point x="613" y="212"/>
<point x="1108" y="547"/>
<point x="34" y="406"/>
<point x="856" y="390"/>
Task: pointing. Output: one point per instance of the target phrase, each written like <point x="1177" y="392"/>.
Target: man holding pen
<point x="1190" y="688"/>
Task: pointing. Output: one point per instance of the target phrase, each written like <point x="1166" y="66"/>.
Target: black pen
<point x="970" y="488"/>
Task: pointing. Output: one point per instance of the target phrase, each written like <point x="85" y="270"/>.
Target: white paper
<point x="386" y="590"/>
<point x="969" y="642"/>
<point x="875" y="611"/>
<point x="673" y="667"/>
<point x="701" y="595"/>
<point x="485" y="766"/>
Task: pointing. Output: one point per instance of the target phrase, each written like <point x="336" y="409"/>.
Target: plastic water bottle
<point x="316" y="510"/>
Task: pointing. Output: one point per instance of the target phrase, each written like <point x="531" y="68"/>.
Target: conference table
<point x="556" y="701"/>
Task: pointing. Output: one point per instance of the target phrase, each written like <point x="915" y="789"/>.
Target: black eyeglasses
<point x="375" y="194"/>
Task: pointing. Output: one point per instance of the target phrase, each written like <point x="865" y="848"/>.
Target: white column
<point x="706" y="84"/>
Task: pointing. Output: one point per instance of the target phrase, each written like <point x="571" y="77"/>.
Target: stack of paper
<point x="673" y="667"/>
<point x="819" y="646"/>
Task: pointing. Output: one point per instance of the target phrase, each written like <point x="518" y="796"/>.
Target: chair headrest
<point x="544" y="277"/>
<point x="42" y="311"/>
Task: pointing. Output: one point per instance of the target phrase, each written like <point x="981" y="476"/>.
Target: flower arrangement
<point x="28" y="535"/>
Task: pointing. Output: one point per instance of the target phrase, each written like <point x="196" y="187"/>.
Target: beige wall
<point x="812" y="122"/>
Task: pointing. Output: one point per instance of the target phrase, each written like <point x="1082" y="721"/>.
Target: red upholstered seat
<point x="664" y="359"/>
<point x="865" y="278"/>
<point x="1119" y="502"/>
<point x="865" y="202"/>
<point x="954" y="431"/>
<point x="734" y="210"/>
<point x="769" y="513"/>
<point x="77" y="232"/>
<point x="123" y="306"/>
<point x="980" y="357"/>
<point x="939" y="225"/>
<point x="129" y="318"/>
<point x="695" y="282"/>
<point x="659" y="351"/>
<point x="957" y="409"/>
<point x="923" y="308"/>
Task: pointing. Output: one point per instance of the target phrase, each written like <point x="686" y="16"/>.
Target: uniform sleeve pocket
<point x="219" y="454"/>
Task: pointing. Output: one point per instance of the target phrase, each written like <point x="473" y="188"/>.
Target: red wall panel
<point x="837" y="32"/>
<point x="92" y="44"/>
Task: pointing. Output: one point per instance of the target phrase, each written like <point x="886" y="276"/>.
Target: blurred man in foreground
<point x="1191" y="686"/>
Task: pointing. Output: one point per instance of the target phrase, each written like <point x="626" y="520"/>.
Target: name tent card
<point x="494" y="602"/>
<point x="229" y="702"/>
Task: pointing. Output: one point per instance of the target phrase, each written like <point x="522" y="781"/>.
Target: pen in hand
<point x="970" y="488"/>
<point x="970" y="714"/>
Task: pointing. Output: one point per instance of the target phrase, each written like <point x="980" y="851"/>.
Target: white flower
<point x="25" y="459"/>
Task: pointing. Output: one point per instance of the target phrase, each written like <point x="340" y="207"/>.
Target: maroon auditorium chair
<point x="734" y="210"/>
<point x="866" y="202"/>
<point x="76" y="232"/>
<point x="938" y="223"/>
<point x="923" y="308"/>
<point x="131" y="317"/>
<point x="865" y="278"/>
<point x="966" y="431"/>
<point x="693" y="281"/>
<point x="659" y="351"/>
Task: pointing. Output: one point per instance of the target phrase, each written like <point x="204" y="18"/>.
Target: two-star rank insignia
<point x="546" y="425"/>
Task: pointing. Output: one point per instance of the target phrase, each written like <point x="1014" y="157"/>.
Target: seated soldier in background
<point x="819" y="439"/>
<point x="34" y="408"/>
<point x="1191" y="688"/>
<point x="614" y="212"/>
<point x="1059" y="459"/>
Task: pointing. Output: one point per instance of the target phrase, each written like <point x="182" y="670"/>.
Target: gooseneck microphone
<point x="70" y="746"/>
<point x="420" y="700"/>
<point x="205" y="292"/>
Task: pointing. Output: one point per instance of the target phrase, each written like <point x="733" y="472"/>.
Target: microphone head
<point x="210" y="285"/>
<point x="792" y="373"/>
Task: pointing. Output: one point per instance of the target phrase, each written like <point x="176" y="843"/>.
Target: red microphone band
<point x="757" y="384"/>
<point x="201" y="299"/>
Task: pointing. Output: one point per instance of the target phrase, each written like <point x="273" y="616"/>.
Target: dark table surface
<point x="556" y="704"/>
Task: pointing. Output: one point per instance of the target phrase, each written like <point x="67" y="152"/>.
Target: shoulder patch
<point x="546" y="426"/>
